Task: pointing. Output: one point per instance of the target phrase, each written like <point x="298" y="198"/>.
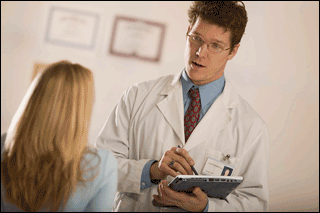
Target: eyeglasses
<point x="213" y="47"/>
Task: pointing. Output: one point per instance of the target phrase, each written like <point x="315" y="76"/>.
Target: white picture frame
<point x="72" y="27"/>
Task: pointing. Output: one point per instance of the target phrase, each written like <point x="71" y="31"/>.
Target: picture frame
<point x="38" y="67"/>
<point x="137" y="38"/>
<point x="72" y="27"/>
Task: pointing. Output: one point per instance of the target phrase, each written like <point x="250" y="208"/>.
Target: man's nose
<point x="203" y="50"/>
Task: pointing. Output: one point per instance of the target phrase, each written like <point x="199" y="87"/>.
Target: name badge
<point x="214" y="167"/>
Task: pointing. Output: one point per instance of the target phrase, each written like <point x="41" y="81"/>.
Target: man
<point x="198" y="110"/>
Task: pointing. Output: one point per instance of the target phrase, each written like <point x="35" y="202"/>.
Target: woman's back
<point x="96" y="196"/>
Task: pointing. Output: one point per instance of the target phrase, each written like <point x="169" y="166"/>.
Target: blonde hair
<point x="42" y="168"/>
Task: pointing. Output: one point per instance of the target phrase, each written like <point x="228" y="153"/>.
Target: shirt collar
<point x="208" y="91"/>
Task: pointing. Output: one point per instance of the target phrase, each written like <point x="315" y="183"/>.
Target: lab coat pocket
<point x="216" y="164"/>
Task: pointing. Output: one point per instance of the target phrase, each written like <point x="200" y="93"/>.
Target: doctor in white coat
<point x="147" y="125"/>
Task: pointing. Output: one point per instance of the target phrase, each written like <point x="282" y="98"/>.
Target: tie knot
<point x="194" y="93"/>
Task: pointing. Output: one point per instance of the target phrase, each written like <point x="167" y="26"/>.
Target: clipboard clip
<point x="226" y="157"/>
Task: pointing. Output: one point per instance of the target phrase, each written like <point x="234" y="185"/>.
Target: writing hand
<point x="182" y="163"/>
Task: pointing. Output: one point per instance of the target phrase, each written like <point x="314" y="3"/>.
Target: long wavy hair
<point x="42" y="168"/>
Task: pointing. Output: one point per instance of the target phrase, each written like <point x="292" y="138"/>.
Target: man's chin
<point x="195" y="77"/>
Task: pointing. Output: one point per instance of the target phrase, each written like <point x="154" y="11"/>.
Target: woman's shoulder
<point x="107" y="158"/>
<point x="101" y="158"/>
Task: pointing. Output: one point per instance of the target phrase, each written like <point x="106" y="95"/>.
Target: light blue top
<point x="208" y="94"/>
<point x="97" y="196"/>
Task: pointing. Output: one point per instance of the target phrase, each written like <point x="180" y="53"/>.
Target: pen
<point x="193" y="169"/>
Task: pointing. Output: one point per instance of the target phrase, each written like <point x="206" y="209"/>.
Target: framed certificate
<point x="137" y="38"/>
<point x="38" y="67"/>
<point x="71" y="27"/>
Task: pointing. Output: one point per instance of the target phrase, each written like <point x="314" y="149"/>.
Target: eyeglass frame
<point x="203" y="42"/>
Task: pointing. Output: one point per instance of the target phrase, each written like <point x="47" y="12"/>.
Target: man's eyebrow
<point x="216" y="40"/>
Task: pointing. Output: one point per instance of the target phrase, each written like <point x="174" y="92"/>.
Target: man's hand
<point x="182" y="164"/>
<point x="196" y="201"/>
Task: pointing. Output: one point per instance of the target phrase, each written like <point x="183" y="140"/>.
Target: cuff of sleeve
<point x="145" y="175"/>
<point x="207" y="207"/>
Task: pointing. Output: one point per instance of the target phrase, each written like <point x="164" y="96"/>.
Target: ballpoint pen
<point x="193" y="169"/>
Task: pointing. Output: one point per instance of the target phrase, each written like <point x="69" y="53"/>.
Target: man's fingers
<point x="182" y="152"/>
<point x="170" y="156"/>
<point x="164" y="196"/>
<point x="165" y="189"/>
<point x="182" y="156"/>
<point x="159" y="192"/>
<point x="182" y="166"/>
<point x="177" y="167"/>
<point x="164" y="167"/>
<point x="195" y="202"/>
<point x="199" y="193"/>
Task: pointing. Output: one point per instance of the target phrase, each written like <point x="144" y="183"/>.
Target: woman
<point x="46" y="163"/>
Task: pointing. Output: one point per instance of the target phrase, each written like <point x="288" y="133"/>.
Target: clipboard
<point x="213" y="186"/>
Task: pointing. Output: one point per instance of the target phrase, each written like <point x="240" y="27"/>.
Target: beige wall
<point x="276" y="70"/>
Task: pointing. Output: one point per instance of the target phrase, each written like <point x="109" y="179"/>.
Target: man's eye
<point x="214" y="45"/>
<point x="197" y="39"/>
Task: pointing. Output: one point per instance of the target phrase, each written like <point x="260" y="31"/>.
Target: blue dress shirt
<point x="208" y="94"/>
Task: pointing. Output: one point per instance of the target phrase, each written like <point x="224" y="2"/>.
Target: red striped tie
<point x="193" y="113"/>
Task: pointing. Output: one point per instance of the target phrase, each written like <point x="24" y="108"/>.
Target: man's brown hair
<point x="231" y="15"/>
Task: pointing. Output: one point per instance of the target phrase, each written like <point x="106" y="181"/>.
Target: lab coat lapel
<point x="216" y="118"/>
<point x="172" y="106"/>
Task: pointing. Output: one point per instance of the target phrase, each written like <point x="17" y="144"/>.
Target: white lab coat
<point x="148" y="120"/>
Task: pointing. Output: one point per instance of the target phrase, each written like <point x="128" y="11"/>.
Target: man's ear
<point x="189" y="29"/>
<point x="234" y="51"/>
